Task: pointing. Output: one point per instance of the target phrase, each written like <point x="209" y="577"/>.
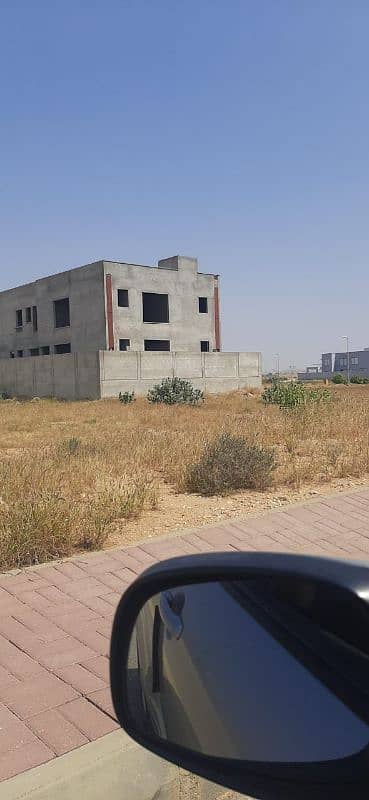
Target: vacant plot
<point x="78" y="475"/>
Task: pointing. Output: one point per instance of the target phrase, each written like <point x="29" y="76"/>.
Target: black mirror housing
<point x="339" y="658"/>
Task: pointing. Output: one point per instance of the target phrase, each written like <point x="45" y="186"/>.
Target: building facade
<point x="113" y="306"/>
<point x="354" y="363"/>
<point x="358" y="363"/>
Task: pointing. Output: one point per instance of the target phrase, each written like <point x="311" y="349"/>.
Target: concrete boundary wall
<point x="71" y="376"/>
<point x="94" y="375"/>
<point x="211" y="372"/>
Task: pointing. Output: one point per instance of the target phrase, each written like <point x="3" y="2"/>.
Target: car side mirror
<point x="251" y="670"/>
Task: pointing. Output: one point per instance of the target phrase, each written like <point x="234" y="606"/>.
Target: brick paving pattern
<point x="55" y="621"/>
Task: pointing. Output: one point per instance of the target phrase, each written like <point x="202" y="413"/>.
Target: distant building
<point x="335" y="363"/>
<point x="327" y="364"/>
<point x="359" y="363"/>
<point x="310" y="374"/>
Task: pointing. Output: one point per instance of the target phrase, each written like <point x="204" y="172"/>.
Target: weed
<point x="50" y="506"/>
<point x="175" y="390"/>
<point x="53" y="502"/>
<point x="127" y="397"/>
<point x="230" y="463"/>
<point x="291" y="394"/>
<point x="72" y="445"/>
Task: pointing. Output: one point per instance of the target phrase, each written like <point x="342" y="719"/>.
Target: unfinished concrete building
<point x="108" y="326"/>
<point x="113" y="306"/>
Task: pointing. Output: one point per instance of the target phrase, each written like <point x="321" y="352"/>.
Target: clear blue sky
<point x="234" y="130"/>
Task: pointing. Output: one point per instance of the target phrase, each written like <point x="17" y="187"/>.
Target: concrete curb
<point x="113" y="766"/>
<point x="177" y="533"/>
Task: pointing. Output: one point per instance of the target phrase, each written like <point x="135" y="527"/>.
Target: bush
<point x="4" y="396"/>
<point x="127" y="397"/>
<point x="230" y="463"/>
<point x="291" y="394"/>
<point x="175" y="390"/>
<point x="359" y="379"/>
<point x="338" y="378"/>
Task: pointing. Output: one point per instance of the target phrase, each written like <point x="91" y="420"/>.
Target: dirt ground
<point x="177" y="512"/>
<point x="97" y="474"/>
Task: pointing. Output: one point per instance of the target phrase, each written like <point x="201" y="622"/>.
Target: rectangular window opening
<point x="34" y="318"/>
<point x="124" y="344"/>
<point x="157" y="344"/>
<point x="19" y="318"/>
<point x="61" y="313"/>
<point x="155" y="307"/>
<point x="19" y="353"/>
<point x="45" y="351"/>
<point x="123" y="300"/>
<point x="34" y="351"/>
<point x="59" y="349"/>
<point x="28" y="314"/>
<point x="204" y="346"/>
<point x="203" y="305"/>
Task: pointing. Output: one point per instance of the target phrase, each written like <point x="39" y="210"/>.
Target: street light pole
<point x="348" y="359"/>
<point x="277" y="360"/>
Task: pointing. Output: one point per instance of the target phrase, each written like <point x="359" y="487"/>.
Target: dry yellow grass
<point x="69" y="471"/>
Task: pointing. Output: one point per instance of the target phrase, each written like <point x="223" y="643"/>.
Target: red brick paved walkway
<point x="55" y="621"/>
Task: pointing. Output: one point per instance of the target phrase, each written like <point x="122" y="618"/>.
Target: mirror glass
<point x="252" y="669"/>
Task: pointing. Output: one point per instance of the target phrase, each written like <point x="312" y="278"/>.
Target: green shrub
<point x="71" y="446"/>
<point x="338" y="378"/>
<point x="175" y="390"/>
<point x="291" y="394"/>
<point x="127" y="397"/>
<point x="359" y="379"/>
<point x="4" y="396"/>
<point x="230" y="463"/>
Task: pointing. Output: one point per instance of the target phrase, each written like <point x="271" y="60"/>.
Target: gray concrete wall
<point x="310" y="376"/>
<point x="78" y="376"/>
<point x="73" y="376"/>
<point x="178" y="277"/>
<point x="211" y="372"/>
<point x="87" y="331"/>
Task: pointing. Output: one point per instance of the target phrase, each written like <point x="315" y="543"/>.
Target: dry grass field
<point x="83" y="475"/>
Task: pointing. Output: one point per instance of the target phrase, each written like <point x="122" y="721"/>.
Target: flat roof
<point x="91" y="264"/>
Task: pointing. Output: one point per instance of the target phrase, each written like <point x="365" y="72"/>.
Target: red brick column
<point x="218" y="344"/>
<point x="109" y="311"/>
